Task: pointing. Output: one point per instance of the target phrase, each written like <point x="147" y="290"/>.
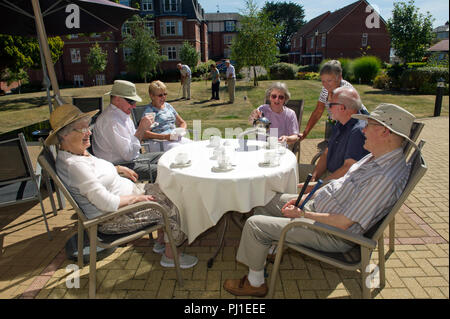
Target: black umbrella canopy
<point x="63" y="16"/>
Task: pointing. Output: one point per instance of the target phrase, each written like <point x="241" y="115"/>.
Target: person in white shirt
<point x="116" y="140"/>
<point x="99" y="187"/>
<point x="185" y="80"/>
<point x="231" y="80"/>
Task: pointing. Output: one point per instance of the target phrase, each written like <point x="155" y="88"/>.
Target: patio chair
<point x="97" y="239"/>
<point x="18" y="181"/>
<point x="88" y="104"/>
<point x="297" y="107"/>
<point x="357" y="258"/>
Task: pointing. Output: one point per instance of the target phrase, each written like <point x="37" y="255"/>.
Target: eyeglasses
<point x="280" y="97"/>
<point x="330" y="105"/>
<point x="131" y="102"/>
<point x="162" y="94"/>
<point x="372" y="123"/>
<point x="84" y="130"/>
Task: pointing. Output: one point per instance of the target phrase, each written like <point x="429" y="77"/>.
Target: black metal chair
<point x="88" y="104"/>
<point x="18" y="181"/>
<point x="297" y="106"/>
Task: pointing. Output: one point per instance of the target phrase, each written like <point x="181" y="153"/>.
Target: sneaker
<point x="159" y="248"/>
<point x="186" y="261"/>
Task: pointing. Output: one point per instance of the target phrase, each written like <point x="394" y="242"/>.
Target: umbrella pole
<point x="45" y="49"/>
<point x="46" y="81"/>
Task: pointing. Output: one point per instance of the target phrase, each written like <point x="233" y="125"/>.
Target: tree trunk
<point x="255" y="80"/>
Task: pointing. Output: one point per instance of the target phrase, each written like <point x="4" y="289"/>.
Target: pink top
<point x="286" y="122"/>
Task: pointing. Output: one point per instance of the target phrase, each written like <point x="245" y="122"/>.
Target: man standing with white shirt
<point x="116" y="140"/>
<point x="231" y="80"/>
<point x="186" y="75"/>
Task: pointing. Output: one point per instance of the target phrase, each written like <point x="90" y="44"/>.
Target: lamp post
<point x="439" y="93"/>
<point x="316" y="34"/>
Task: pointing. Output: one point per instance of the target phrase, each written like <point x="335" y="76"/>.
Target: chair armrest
<point x="124" y="210"/>
<point x="331" y="230"/>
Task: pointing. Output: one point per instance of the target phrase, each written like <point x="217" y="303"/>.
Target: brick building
<point x="172" y="22"/>
<point x="345" y="33"/>
<point x="222" y="29"/>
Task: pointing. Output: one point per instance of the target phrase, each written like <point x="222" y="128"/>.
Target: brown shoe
<point x="242" y="287"/>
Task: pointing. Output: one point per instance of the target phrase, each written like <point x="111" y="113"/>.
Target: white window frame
<point x="126" y="29"/>
<point x="228" y="39"/>
<point x="147" y="5"/>
<point x="294" y="42"/>
<point x="177" y="26"/>
<point x="230" y="26"/>
<point x="75" y="55"/>
<point x="170" y="5"/>
<point x="78" y="78"/>
<point x="172" y="53"/>
<point x="100" y="79"/>
<point x="312" y="43"/>
<point x="324" y="40"/>
<point x="301" y="42"/>
<point x="364" y="39"/>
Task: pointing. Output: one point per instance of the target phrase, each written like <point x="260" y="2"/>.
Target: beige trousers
<point x="265" y="227"/>
<point x="231" y="88"/>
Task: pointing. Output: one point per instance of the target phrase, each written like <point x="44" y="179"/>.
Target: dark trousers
<point x="215" y="90"/>
<point x="146" y="166"/>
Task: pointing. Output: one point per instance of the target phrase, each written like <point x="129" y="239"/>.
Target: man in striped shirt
<point x="353" y="202"/>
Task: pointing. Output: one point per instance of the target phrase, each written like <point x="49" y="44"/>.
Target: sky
<point x="437" y="8"/>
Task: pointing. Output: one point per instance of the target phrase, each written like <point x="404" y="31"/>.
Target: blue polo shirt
<point x="346" y="142"/>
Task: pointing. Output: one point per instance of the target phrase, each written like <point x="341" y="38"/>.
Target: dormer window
<point x="170" y="5"/>
<point x="147" y="5"/>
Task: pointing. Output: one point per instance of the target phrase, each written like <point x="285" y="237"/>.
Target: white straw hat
<point x="124" y="89"/>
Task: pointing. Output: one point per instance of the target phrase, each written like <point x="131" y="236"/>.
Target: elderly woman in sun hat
<point x="98" y="186"/>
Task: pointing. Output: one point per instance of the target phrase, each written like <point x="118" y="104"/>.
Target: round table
<point x="203" y="196"/>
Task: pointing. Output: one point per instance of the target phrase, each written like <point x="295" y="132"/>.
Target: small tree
<point x="20" y="76"/>
<point x="145" y="55"/>
<point x="97" y="59"/>
<point x="256" y="42"/>
<point x="189" y="55"/>
<point x="411" y="32"/>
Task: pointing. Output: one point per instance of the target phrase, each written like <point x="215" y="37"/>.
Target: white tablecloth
<point x="203" y="196"/>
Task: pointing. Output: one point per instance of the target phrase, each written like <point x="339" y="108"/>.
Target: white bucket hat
<point x="396" y="119"/>
<point x="124" y="89"/>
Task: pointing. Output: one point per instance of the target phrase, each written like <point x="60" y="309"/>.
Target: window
<point x="170" y="52"/>
<point x="227" y="53"/>
<point x="75" y="55"/>
<point x="125" y="2"/>
<point x="78" y="80"/>
<point x="294" y="43"/>
<point x="169" y="27"/>
<point x="230" y="26"/>
<point x="301" y="42"/>
<point x="73" y="36"/>
<point x="364" y="39"/>
<point x="312" y="43"/>
<point x="126" y="53"/>
<point x="150" y="25"/>
<point x="324" y="40"/>
<point x="147" y="5"/>
<point x="100" y="79"/>
<point x="227" y="39"/>
<point x="170" y="5"/>
<point x="126" y="29"/>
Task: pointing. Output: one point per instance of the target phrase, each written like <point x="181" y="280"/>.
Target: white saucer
<point x="266" y="164"/>
<point x="221" y="170"/>
<point x="187" y="164"/>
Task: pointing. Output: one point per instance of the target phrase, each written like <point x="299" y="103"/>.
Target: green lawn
<point x="17" y="111"/>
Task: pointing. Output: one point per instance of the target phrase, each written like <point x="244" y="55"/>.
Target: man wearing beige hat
<point x="354" y="202"/>
<point x="116" y="140"/>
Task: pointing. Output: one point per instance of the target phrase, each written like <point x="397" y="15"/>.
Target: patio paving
<point x="31" y="266"/>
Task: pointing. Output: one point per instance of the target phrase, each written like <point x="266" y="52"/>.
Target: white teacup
<point x="214" y="140"/>
<point x="224" y="161"/>
<point x="273" y="142"/>
<point x="271" y="157"/>
<point x="181" y="158"/>
<point x="281" y="147"/>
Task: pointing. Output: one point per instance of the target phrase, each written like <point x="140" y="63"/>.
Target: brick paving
<point x="31" y="266"/>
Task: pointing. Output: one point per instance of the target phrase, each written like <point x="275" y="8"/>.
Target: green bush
<point x="413" y="65"/>
<point x="423" y="80"/>
<point x="308" y="76"/>
<point x="382" y="81"/>
<point x="283" y="71"/>
<point x="366" y="68"/>
<point x="202" y="68"/>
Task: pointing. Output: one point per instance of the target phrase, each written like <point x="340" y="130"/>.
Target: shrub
<point x="283" y="71"/>
<point x="308" y="68"/>
<point x="423" y="79"/>
<point x="366" y="68"/>
<point x="202" y="69"/>
<point x="308" y="76"/>
<point x="382" y="81"/>
<point x="413" y="65"/>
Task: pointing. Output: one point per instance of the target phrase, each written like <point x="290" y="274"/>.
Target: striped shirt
<point x="323" y="97"/>
<point x="367" y="191"/>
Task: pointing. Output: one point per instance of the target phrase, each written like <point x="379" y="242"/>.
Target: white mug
<point x="214" y="140"/>
<point x="181" y="158"/>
